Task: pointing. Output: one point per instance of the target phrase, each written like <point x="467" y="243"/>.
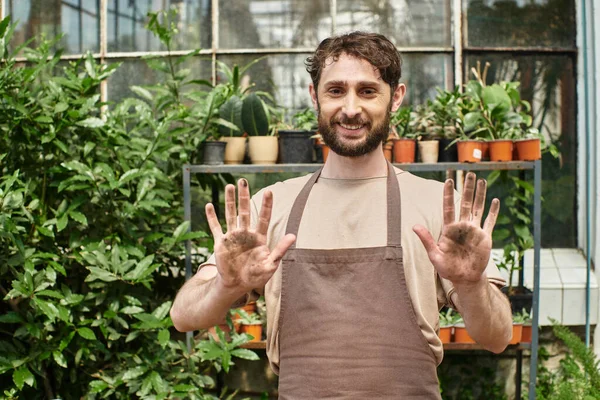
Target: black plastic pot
<point x="213" y="153"/>
<point x="296" y="147"/>
<point x="520" y="298"/>
<point x="448" y="154"/>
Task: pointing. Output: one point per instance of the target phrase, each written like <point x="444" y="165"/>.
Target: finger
<point x="264" y="218"/>
<point x="490" y="221"/>
<point x="479" y="203"/>
<point x="449" y="202"/>
<point x="230" y="212"/>
<point x="466" y="203"/>
<point x="427" y="240"/>
<point x="282" y="247"/>
<point x="213" y="221"/>
<point x="244" y="203"/>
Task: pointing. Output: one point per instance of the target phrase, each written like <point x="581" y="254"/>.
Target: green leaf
<point x="61" y="222"/>
<point x="86" y="333"/>
<point x="44" y="119"/>
<point x="10" y="317"/>
<point x="162" y="310"/>
<point x="60" y="107"/>
<point x="254" y="116"/>
<point x="132" y="310"/>
<point x="129" y="175"/>
<point x="89" y="146"/>
<point x="142" y="269"/>
<point x="101" y="274"/>
<point x="157" y="382"/>
<point x="134" y="373"/>
<point x="140" y="91"/>
<point x="181" y="229"/>
<point x="91" y="122"/>
<point x="50" y="293"/>
<point x="47" y="308"/>
<point x="65" y="341"/>
<point x="59" y="358"/>
<point x="163" y="337"/>
<point x="23" y="376"/>
<point x="245" y="354"/>
<point x="98" y="386"/>
<point x="79" y="217"/>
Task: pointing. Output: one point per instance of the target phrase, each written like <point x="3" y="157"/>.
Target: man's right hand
<point x="244" y="261"/>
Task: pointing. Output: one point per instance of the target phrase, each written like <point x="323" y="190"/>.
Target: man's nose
<point x="352" y="106"/>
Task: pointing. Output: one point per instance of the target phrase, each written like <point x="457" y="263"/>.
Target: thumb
<point x="279" y="251"/>
<point x="426" y="238"/>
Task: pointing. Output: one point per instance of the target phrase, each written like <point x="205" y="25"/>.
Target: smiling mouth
<point x="351" y="127"/>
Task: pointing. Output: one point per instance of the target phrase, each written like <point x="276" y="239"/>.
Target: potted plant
<point x="447" y="320"/>
<point x="460" y="332"/>
<point x="262" y="146"/>
<point x="404" y="146"/>
<point x="207" y="109"/>
<point x="422" y="124"/>
<point x="232" y="133"/>
<point x="447" y="122"/>
<point x="251" y="323"/>
<point x="524" y="318"/>
<point x="296" y="140"/>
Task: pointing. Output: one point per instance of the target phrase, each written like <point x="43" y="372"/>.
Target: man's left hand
<point x="462" y="253"/>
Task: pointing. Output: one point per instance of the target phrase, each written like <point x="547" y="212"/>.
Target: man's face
<point x="354" y="105"/>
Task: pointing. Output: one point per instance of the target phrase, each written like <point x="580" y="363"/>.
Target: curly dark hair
<point x="373" y="47"/>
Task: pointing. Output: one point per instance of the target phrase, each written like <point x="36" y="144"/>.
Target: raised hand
<point x="463" y="250"/>
<point x="244" y="261"/>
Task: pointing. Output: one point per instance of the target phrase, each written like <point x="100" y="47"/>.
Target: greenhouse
<point x="299" y="199"/>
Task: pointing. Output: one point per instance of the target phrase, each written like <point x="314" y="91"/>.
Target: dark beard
<point x="376" y="135"/>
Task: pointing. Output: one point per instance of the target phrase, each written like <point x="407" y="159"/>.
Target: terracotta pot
<point x="526" y="334"/>
<point x="461" y="335"/>
<point x="235" y="150"/>
<point x="387" y="150"/>
<point x="485" y="151"/>
<point x="263" y="149"/>
<point x="254" y="330"/>
<point x="501" y="150"/>
<point x="429" y="151"/>
<point x="325" y="150"/>
<point x="528" y="149"/>
<point x="404" y="150"/>
<point x="445" y="334"/>
<point x="517" y="331"/>
<point x="469" y="151"/>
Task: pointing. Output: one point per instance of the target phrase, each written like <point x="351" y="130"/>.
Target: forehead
<point x="349" y="69"/>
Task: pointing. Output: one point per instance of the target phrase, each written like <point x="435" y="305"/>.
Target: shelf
<point x="414" y="167"/>
<point x="262" y="345"/>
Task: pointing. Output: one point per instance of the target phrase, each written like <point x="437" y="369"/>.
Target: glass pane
<point x="137" y="72"/>
<point x="543" y="23"/>
<point x="548" y="83"/>
<point x="406" y="23"/>
<point x="127" y="21"/>
<point x="245" y="24"/>
<point x="423" y="73"/>
<point x="78" y="20"/>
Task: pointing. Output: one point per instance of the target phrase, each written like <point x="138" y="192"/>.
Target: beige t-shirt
<point x="352" y="213"/>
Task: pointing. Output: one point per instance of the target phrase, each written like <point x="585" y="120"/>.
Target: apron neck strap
<point x="394" y="225"/>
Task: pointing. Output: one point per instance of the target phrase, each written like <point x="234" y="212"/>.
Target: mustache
<point x="349" y="121"/>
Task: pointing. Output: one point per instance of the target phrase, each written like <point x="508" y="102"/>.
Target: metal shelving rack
<point x="536" y="166"/>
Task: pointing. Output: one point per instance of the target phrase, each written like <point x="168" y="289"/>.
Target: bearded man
<point x="355" y="260"/>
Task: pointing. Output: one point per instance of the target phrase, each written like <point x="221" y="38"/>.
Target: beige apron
<point x="348" y="329"/>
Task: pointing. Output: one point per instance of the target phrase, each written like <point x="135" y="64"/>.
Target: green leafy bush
<point x="91" y="239"/>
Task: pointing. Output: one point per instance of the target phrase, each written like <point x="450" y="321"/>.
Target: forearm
<point x="486" y="312"/>
<point x="202" y="302"/>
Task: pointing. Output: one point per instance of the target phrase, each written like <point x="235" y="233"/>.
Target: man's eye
<point x="335" y="91"/>
<point x="369" y="92"/>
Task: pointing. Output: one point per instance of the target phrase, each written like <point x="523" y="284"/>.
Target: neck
<point x="369" y="165"/>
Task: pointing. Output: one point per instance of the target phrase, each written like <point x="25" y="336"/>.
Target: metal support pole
<point x="187" y="216"/>
<point x="537" y="240"/>
<point x="519" y="374"/>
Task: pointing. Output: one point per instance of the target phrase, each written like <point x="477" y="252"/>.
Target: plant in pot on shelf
<point x="251" y="323"/>
<point x="232" y="130"/>
<point x="448" y="319"/>
<point x="206" y="111"/>
<point x="447" y="122"/>
<point x="460" y="332"/>
<point x="422" y="123"/>
<point x="296" y="141"/>
<point x="524" y="318"/>
<point x="404" y="148"/>
<point x="262" y="143"/>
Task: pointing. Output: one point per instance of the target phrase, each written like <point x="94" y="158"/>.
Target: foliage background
<point x="91" y="239"/>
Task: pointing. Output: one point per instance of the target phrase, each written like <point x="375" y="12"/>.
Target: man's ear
<point x="398" y="96"/>
<point x="313" y="96"/>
